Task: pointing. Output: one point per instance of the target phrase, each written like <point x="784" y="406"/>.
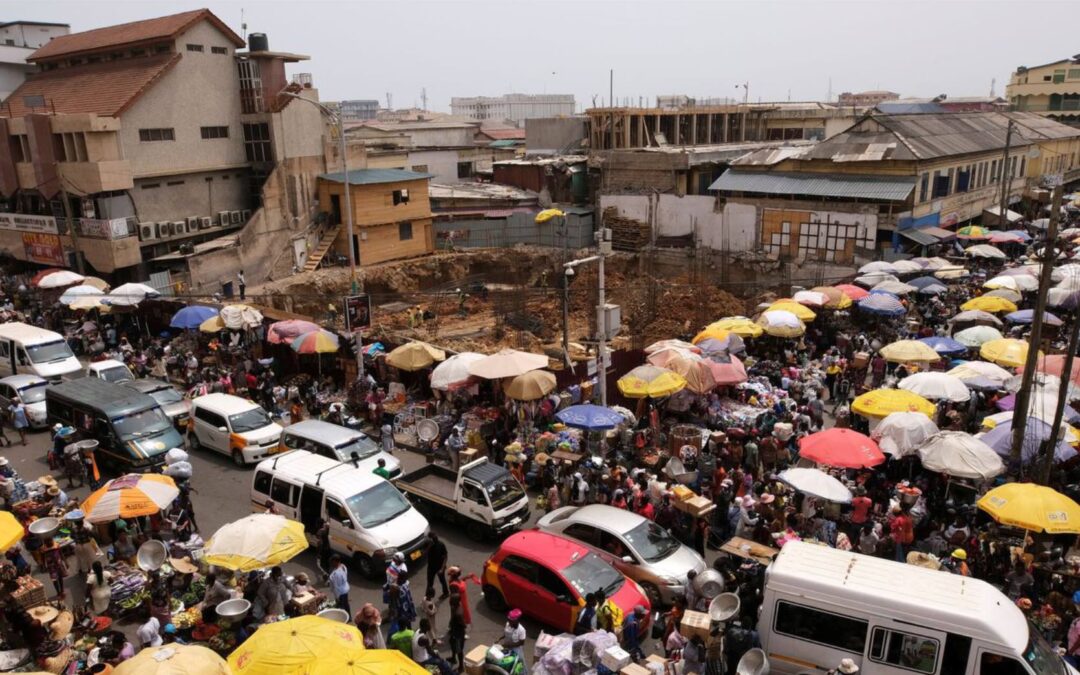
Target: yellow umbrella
<point x="174" y="659"/>
<point x="882" y="402"/>
<point x="905" y="351"/>
<point x="11" y="530"/>
<point x="788" y="305"/>
<point x="255" y="542"/>
<point x="415" y="355"/>
<point x="650" y="382"/>
<point x="296" y="647"/>
<point x="530" y="386"/>
<point x="88" y="302"/>
<point x="371" y="662"/>
<point x="695" y="369"/>
<point x="989" y="303"/>
<point x="1006" y="352"/>
<point x="1032" y="507"/>
<point x="711" y="332"/>
<point x="548" y="214"/>
<point x="212" y="325"/>
<point x="781" y="323"/>
<point x="740" y="325"/>
<point x="837" y="298"/>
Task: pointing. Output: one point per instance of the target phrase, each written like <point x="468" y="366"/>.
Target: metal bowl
<point x="44" y="528"/>
<point x="335" y="614"/>
<point x="709" y="584"/>
<point x="753" y="662"/>
<point x="151" y="555"/>
<point x="233" y="610"/>
<point x="724" y="606"/>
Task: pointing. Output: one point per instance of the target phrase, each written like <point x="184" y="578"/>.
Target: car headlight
<point x="499" y="522"/>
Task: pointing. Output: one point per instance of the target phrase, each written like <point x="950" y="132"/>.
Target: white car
<point x="30" y="389"/>
<point x="109" y="370"/>
<point x="233" y="426"/>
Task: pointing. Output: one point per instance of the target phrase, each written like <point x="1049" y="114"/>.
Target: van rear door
<point x="902" y="649"/>
<point x="286" y="497"/>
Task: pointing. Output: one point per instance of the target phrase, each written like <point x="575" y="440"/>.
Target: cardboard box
<point x="695" y="623"/>
<point x="657" y="659"/>
<point x="615" y="658"/>
<point x="634" y="669"/>
<point x="474" y="660"/>
<point x="696" y="506"/>
<point x="545" y="643"/>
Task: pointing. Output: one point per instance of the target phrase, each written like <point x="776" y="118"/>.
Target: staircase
<point x="327" y="241"/>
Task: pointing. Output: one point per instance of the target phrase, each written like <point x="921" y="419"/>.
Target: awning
<point x="853" y="186"/>
<point x="940" y="233"/>
<point x="1012" y="216"/>
<point x="920" y="237"/>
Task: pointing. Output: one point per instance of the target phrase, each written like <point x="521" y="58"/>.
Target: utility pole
<point x="1023" y="397"/>
<point x="1006" y="180"/>
<point x="1050" y="445"/>
<point x="603" y="248"/>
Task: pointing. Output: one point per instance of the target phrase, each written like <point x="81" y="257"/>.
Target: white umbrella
<point x="976" y="335"/>
<point x="811" y="298"/>
<point x="669" y="344"/>
<point x="254" y="542"/>
<point x="986" y="251"/>
<point x="129" y="295"/>
<point x="1044" y="383"/>
<point x="976" y="315"/>
<point x="240" y="317"/>
<point x="1008" y="282"/>
<point x="877" y="266"/>
<point x="951" y="272"/>
<point x="874" y="278"/>
<point x="955" y="453"/>
<point x="973" y="369"/>
<point x="936" y="386"/>
<point x="60" y="279"/>
<point x="454" y="371"/>
<point x="937" y="263"/>
<point x="816" y="483"/>
<point x="907" y="267"/>
<point x="75" y="292"/>
<point x="895" y="287"/>
<point x="507" y="363"/>
<point x="901" y="433"/>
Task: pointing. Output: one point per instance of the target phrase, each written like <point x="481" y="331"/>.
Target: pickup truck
<point x="483" y="497"/>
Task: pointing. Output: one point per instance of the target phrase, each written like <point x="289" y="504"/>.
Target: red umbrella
<point x="853" y="292"/>
<point x="841" y="448"/>
<point x="287" y="331"/>
<point x="37" y="277"/>
<point x="729" y="372"/>
<point x="1054" y="364"/>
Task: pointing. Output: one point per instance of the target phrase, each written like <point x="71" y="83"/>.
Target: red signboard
<point x="44" y="248"/>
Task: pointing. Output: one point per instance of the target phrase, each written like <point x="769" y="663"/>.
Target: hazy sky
<point x="364" y="49"/>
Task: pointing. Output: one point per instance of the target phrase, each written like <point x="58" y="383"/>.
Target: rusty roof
<point x="127" y="34"/>
<point x="103" y="88"/>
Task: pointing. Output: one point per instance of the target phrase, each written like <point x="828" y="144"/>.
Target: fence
<point x="516" y="228"/>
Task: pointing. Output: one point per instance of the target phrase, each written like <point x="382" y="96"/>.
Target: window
<point x="336" y="512"/>
<point x="963" y="178"/>
<point x="464" y="169"/>
<point x="994" y="664"/>
<point x="219" y="50"/>
<point x="194" y="48"/>
<point x="473" y="493"/>
<point x="907" y="651"/>
<point x="212" y="418"/>
<point x="1059" y="76"/>
<point x="612" y="544"/>
<point x="404" y="231"/>
<point x="1023" y="164"/>
<point x="419" y="168"/>
<point x="15" y="144"/>
<point x="941" y="185"/>
<point x="214" y="132"/>
<point x="163" y="48"/>
<point x="174" y="183"/>
<point x="552" y="583"/>
<point x="1012" y="167"/>
<point x="282" y="492"/>
<point x="924" y="185"/>
<point x="993" y="171"/>
<point x="24" y="143"/>
<point x="69" y="147"/>
<point x="526" y="569"/>
<point x="400" y="197"/>
<point x="147" y="135"/>
<point x="262" y="483"/>
<point x="257" y="142"/>
<point x="150" y="186"/>
<point x="826" y="628"/>
<point x="1074" y="74"/>
<point x="582" y="532"/>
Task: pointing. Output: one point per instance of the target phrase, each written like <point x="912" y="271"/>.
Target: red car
<point x="547" y="577"/>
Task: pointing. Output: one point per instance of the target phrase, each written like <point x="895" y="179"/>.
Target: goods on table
<point x="189" y="618"/>
<point x="128" y="587"/>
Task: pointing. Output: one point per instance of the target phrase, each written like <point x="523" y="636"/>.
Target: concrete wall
<point x="673" y="216"/>
<point x="298" y="129"/>
<point x="202" y="193"/>
<point x="517" y="228"/>
<point x="440" y="163"/>
<point x="551" y="134"/>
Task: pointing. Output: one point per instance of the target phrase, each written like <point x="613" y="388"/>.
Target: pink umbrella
<point x="727" y="372"/>
<point x="284" y="332"/>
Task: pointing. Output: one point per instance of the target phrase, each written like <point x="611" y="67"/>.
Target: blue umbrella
<point x="588" y="416"/>
<point x="944" y="346"/>
<point x="1028" y="315"/>
<point x="1019" y="233"/>
<point x="1000" y="439"/>
<point x="192" y="316"/>
<point x="923" y="282"/>
<point x="883" y="304"/>
<point x="882" y="291"/>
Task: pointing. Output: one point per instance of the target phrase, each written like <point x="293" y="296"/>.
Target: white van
<point x="109" y="370"/>
<point x="337" y="442"/>
<point x="822" y="605"/>
<point x="369" y="519"/>
<point x="31" y="350"/>
<point x="233" y="426"/>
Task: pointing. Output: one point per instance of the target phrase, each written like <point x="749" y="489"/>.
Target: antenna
<point x="993" y="84"/>
<point x="243" y="25"/>
<point x="829" y="99"/>
<point x="389" y="101"/>
<point x="423" y="96"/>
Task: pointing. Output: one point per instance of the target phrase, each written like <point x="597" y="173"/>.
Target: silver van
<point x="337" y="442"/>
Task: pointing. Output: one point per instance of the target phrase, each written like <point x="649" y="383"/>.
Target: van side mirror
<point x="565" y="599"/>
<point x="222" y="429"/>
<point x="627" y="559"/>
<point x="345" y="522"/>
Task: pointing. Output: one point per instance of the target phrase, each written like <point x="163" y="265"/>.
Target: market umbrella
<point x="923" y="282"/>
<point x="955" y="453"/>
<point x="98" y="283"/>
<point x="877" y="266"/>
<point x="901" y="433"/>
<point x="650" y="381"/>
<point x="711" y="332"/>
<point x="1042" y="404"/>
<point x="811" y="298"/>
<point x="212" y="325"/>
<point x="453" y="373"/>
<point x="1019" y="234"/>
<point x="88" y="302"/>
<point x="727" y="370"/>
<point x="882" y="304"/>
<point x="944" y="346"/>
<point x="255" y="542"/>
<point x="695" y="369"/>
<point x="852" y="291"/>
<point x="192" y="316"/>
<point x="841" y="448"/>
<point x="668" y="344"/>
<point x="972" y="369"/>
<point x="1055" y="365"/>
<point x="909" y="351"/>
<point x="732" y="344"/>
<point x="816" y="483"/>
<point x="1005" y="238"/>
<point x="371" y="662"/>
<point x="838" y="299"/>
<point x="1005" y="352"/>
<point x="874" y="278"/>
<point x="72" y="294"/>
<point x="740" y="325"/>
<point x="589" y="416"/>
<point x="1063" y="298"/>
<point x="34" y="280"/>
<point x="936" y="386"/>
<point x="977" y="317"/>
<point x="1025" y="316"/>
<point x="130" y="496"/>
<point x="906" y="267"/>
<point x="972" y="232"/>
<point x="530" y="386"/>
<point x="60" y="279"/>
<point x="1032" y="507"/>
<point x="317" y="342"/>
<point x="936" y="289"/>
<point x="11" y="530"/>
<point x="1036" y="432"/>
<point x="989" y="303"/>
<point x="986" y="251"/>
<point x="414" y="355"/>
<point x="507" y="363"/>
<point x="788" y="305"/>
<point x="951" y="272"/>
<point x="241" y="317"/>
<point x="1011" y="296"/>
<point x="287" y="331"/>
<point x="662" y="357"/>
<point x="296" y="647"/>
<point x="175" y="659"/>
<point x="881" y="402"/>
<point x="894" y="287"/>
<point x="781" y="323"/>
<point x="129" y="295"/>
<point x="1008" y="282"/>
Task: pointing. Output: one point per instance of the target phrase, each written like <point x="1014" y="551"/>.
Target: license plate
<point x="415" y="555"/>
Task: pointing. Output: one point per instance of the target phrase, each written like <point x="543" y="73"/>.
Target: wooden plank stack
<point x="627" y="234"/>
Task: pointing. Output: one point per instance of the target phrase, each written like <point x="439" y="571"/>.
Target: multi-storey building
<point x="18" y="40"/>
<point x="514" y="107"/>
<point x="358" y="110"/>
<point x="866" y="99"/>
<point x="1052" y="89"/>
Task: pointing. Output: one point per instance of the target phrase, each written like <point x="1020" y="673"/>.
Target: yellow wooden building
<point x="391" y="213"/>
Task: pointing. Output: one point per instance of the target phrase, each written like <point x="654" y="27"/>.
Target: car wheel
<point x="653" y="594"/>
<point x="494" y="599"/>
<point x="238" y="457"/>
<point x="364" y="565"/>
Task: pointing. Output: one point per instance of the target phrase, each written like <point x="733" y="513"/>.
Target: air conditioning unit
<point x="179" y="227"/>
<point x="245" y="215"/>
<point x="206" y="222"/>
<point x="148" y="231"/>
<point x="223" y="218"/>
<point x="164" y="229"/>
<point x="192" y="223"/>
<point x="234" y="218"/>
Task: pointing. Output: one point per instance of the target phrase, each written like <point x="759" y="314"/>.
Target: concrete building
<point x="514" y="107"/>
<point x="556" y="135"/>
<point x="866" y="99"/>
<point x="358" y="110"/>
<point x="391" y="213"/>
<point x="1052" y="89"/>
<point x="152" y="135"/>
<point x="18" y="40"/>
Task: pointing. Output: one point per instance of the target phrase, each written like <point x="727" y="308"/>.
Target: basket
<point x="31" y="594"/>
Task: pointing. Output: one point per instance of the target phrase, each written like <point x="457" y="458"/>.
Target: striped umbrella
<point x="316" y="342"/>
<point x="287" y="331"/>
<point x="882" y="303"/>
<point x="852" y="291"/>
<point x="254" y="542"/>
<point x="130" y="496"/>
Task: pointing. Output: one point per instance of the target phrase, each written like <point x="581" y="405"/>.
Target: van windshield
<point x="363" y="446"/>
<point x="377" y="505"/>
<point x="144" y="423"/>
<point x="1041" y="656"/>
<point x="47" y="352"/>
<point x="504" y="492"/>
<point x="34" y="393"/>
<point x="249" y="420"/>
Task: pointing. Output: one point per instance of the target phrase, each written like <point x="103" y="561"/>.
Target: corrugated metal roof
<point x="817" y="185"/>
<point x="375" y="176"/>
<point x="919" y="237"/>
<point x="942" y="234"/>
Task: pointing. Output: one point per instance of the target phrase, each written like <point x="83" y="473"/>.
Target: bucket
<point x="334" y="614"/>
<point x="685" y="434"/>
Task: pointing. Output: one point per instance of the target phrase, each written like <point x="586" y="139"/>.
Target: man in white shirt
<point x="149" y="633"/>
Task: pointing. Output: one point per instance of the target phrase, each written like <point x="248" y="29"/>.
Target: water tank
<point x="257" y="42"/>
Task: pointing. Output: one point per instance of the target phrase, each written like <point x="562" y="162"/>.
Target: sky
<point x="365" y="49"/>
